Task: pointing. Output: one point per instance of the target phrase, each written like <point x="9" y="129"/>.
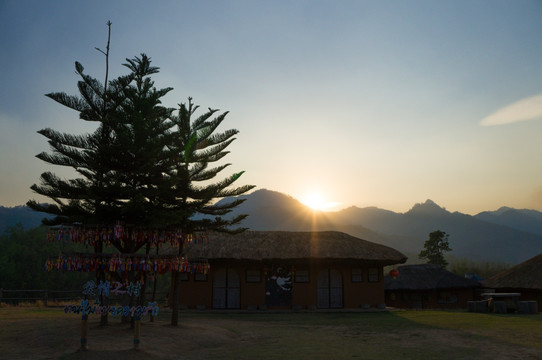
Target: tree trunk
<point x="176" y="298"/>
<point x="104" y="301"/>
<point x="153" y="294"/>
<point x="100" y="276"/>
<point x="127" y="299"/>
<point x="155" y="281"/>
<point x="176" y="291"/>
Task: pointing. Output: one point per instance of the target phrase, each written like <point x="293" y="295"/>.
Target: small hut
<point x="280" y="269"/>
<point x="428" y="286"/>
<point x="522" y="278"/>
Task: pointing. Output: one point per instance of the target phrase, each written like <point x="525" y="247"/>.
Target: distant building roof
<point x="270" y="245"/>
<point x="426" y="277"/>
<point x="525" y="275"/>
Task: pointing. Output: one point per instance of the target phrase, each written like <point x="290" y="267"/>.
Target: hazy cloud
<point x="525" y="109"/>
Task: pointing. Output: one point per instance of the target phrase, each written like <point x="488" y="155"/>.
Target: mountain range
<point x="505" y="235"/>
<point x="27" y="217"/>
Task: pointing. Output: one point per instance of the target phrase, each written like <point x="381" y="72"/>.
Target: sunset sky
<point x="362" y="103"/>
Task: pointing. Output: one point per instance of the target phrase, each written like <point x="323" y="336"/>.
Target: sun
<point x="317" y="201"/>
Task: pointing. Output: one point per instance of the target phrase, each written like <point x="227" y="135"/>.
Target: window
<point x="447" y="298"/>
<point x="200" y="277"/>
<point x="373" y="275"/>
<point x="184" y="276"/>
<point x="301" y="276"/>
<point x="357" y="275"/>
<point x="254" y="276"/>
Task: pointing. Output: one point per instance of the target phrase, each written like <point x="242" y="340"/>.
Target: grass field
<point x="48" y="333"/>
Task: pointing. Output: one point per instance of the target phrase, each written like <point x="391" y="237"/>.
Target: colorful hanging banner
<point x="85" y="309"/>
<point x="89" y="236"/>
<point x="125" y="262"/>
<point x="105" y="288"/>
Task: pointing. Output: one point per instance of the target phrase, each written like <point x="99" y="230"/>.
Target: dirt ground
<point x="236" y="336"/>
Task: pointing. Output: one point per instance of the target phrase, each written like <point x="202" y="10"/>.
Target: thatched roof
<point x="285" y="245"/>
<point x="525" y="275"/>
<point x="426" y="277"/>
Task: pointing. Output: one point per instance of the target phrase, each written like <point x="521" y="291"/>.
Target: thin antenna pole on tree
<point x="106" y="53"/>
<point x="100" y="274"/>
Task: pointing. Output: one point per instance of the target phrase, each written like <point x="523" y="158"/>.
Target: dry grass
<point x="40" y="333"/>
<point x="37" y="304"/>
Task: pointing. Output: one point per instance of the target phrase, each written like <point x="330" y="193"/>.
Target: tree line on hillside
<point x="23" y="255"/>
<point x="483" y="268"/>
<point x="438" y="244"/>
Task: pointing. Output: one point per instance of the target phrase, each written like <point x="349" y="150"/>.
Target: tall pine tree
<point x="198" y="145"/>
<point x="143" y="166"/>
<point x="124" y="164"/>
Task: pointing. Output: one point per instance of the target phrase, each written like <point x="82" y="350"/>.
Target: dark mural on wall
<point x="278" y="286"/>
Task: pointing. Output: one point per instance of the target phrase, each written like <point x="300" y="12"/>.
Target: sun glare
<point x="316" y="201"/>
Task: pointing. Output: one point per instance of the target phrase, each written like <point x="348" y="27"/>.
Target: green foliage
<point x="434" y="248"/>
<point x="143" y="165"/>
<point x="196" y="145"/>
<point x="121" y="163"/>
<point x="484" y="269"/>
<point x="22" y="258"/>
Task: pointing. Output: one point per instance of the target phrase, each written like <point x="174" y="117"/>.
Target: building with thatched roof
<point x="279" y="269"/>
<point x="428" y="286"/>
<point x="523" y="278"/>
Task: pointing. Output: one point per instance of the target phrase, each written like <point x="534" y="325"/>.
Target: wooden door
<point x="335" y="289"/>
<point x="219" y="289"/>
<point x="323" y="289"/>
<point x="226" y="289"/>
<point x="330" y="289"/>
<point x="233" y="290"/>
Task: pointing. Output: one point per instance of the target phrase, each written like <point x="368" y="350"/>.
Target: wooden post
<point x="84" y="332"/>
<point x="137" y="331"/>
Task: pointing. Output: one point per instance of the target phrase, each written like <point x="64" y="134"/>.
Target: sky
<point x="347" y="103"/>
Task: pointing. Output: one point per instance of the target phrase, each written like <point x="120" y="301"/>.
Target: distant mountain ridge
<point x="525" y="220"/>
<point x="485" y="236"/>
<point x="507" y="234"/>
<point x="470" y="237"/>
<point x="27" y="217"/>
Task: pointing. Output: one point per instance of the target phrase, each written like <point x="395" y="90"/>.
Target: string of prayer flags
<point x="88" y="236"/>
<point x="118" y="262"/>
